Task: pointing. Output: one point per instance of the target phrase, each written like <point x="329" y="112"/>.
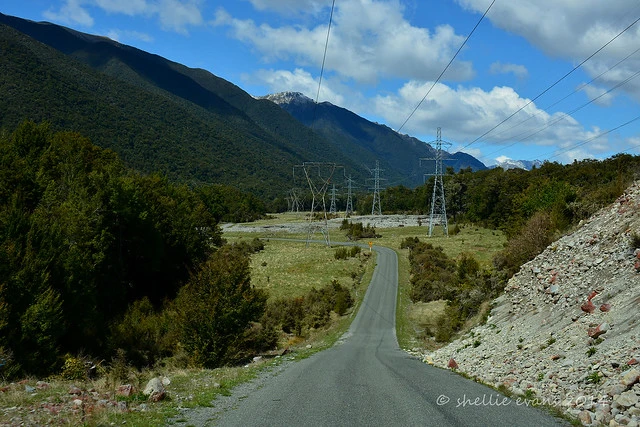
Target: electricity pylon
<point x="318" y="177"/>
<point x="438" y="214"/>
<point x="376" y="208"/>
<point x="349" y="209"/>
<point x="332" y="208"/>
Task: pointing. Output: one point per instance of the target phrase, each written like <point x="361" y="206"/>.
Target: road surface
<point x="367" y="380"/>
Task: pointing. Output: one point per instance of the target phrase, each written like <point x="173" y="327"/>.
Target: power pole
<point x="318" y="177"/>
<point x="349" y="209"/>
<point x="376" y="209"/>
<point x="332" y="208"/>
<point x="438" y="214"/>
<point x="294" y="201"/>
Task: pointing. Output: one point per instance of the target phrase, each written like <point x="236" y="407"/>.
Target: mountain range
<point x="187" y="123"/>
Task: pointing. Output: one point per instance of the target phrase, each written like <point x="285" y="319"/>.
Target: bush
<point x="409" y="242"/>
<point x="533" y="238"/>
<point x="294" y="315"/>
<point x="144" y="334"/>
<point x="357" y="231"/>
<point x="217" y="307"/>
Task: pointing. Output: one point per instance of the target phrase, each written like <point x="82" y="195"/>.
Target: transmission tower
<point x="294" y="201"/>
<point x="332" y="208"/>
<point x="349" y="209"/>
<point x="376" y="209"/>
<point x="438" y="205"/>
<point x="318" y="177"/>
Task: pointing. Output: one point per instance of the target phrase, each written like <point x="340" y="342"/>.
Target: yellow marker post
<point x="370" y="246"/>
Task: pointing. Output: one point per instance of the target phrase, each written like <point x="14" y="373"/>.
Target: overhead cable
<point x="445" y="68"/>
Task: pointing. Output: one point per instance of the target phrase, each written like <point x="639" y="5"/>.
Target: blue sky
<point x="384" y="55"/>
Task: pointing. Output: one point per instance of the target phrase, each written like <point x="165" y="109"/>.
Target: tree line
<point x="101" y="260"/>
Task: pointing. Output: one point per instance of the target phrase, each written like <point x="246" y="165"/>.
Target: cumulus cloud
<point x="466" y="113"/>
<point x="173" y="15"/>
<point x="72" y="12"/>
<point x="369" y="40"/>
<point x="291" y="6"/>
<point x="572" y="30"/>
<point x="600" y="95"/>
<point x="520" y="71"/>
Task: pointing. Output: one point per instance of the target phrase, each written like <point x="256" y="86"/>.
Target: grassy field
<point x="290" y="269"/>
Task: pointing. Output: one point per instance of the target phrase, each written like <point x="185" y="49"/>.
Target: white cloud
<point x="178" y="15"/>
<point x="291" y="6"/>
<point x="520" y="71"/>
<point x="126" y="7"/>
<point x="369" y="40"/>
<point x="502" y="159"/>
<point x="173" y="15"/>
<point x="466" y="113"/>
<point x="573" y="30"/>
<point x="599" y="95"/>
<point x="71" y="13"/>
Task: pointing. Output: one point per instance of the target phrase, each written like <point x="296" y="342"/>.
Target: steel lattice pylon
<point x="318" y="175"/>
<point x="438" y="214"/>
<point x="349" y="209"/>
<point x="332" y="208"/>
<point x="376" y="207"/>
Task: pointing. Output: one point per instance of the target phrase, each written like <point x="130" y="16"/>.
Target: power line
<point x="579" y="144"/>
<point x="445" y="68"/>
<point x="553" y="85"/>
<point x="324" y="57"/>
<point x="578" y="89"/>
<point x="564" y="115"/>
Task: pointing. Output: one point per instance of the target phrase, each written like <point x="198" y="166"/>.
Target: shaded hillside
<point x="361" y="139"/>
<point x="158" y="115"/>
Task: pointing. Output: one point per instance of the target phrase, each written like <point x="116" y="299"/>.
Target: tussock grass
<point x="291" y="269"/>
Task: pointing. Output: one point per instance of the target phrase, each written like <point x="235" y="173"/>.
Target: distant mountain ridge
<point x="369" y="141"/>
<point x="517" y="164"/>
<point x="187" y="123"/>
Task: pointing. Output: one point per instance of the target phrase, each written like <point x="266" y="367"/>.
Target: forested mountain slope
<point x="156" y="114"/>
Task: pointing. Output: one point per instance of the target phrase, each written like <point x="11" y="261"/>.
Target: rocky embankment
<point x="566" y="331"/>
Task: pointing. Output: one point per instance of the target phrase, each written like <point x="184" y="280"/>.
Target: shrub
<point x="341" y="253"/>
<point x="145" y="334"/>
<point x="409" y="242"/>
<point x="216" y="307"/>
<point x="533" y="238"/>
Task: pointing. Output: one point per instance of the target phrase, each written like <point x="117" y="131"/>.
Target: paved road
<point x="367" y="380"/>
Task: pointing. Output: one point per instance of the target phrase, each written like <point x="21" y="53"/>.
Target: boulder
<point x="155" y="390"/>
<point x="588" y="307"/>
<point x="125" y="390"/>
<point x="599" y="330"/>
<point x="627" y="399"/>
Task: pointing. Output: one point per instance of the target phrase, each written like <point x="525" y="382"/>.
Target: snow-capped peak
<point x="288" y="98"/>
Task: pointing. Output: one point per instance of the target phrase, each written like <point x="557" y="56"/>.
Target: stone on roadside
<point x="155" y="390"/>
<point x="627" y="399"/>
<point x="630" y="378"/>
<point x="75" y="390"/>
<point x="125" y="390"/>
<point x="452" y="364"/>
<point x="588" y="307"/>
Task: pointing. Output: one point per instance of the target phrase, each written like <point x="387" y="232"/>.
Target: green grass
<point x="290" y="269"/>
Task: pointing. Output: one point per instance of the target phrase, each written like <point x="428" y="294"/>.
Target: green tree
<point x="217" y="306"/>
